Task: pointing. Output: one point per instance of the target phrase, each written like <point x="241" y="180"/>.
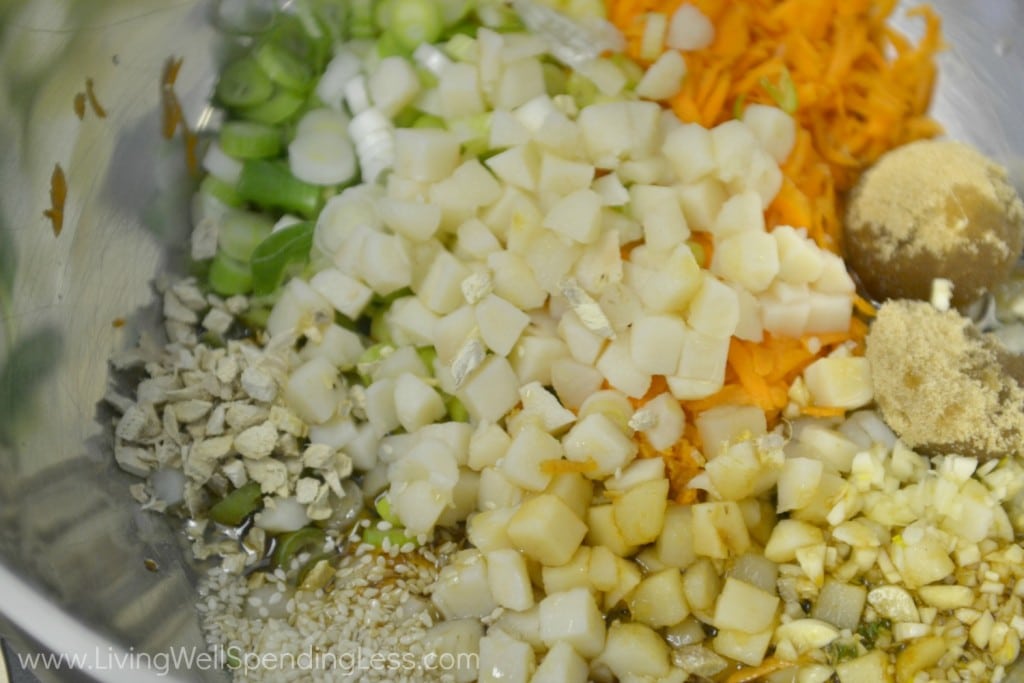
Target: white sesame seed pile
<point x="368" y="624"/>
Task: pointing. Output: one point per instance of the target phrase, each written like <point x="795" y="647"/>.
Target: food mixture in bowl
<point x="520" y="346"/>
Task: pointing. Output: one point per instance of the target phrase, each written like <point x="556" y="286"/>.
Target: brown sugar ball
<point x="943" y="386"/>
<point x="933" y="209"/>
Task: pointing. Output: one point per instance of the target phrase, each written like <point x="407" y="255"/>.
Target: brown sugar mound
<point x="933" y="209"/>
<point x="942" y="386"/>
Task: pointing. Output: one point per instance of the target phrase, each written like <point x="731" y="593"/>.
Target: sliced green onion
<point x="389" y="46"/>
<point x="383" y="507"/>
<point x="379" y="330"/>
<point x="223" y="192"/>
<point x="581" y="89"/>
<point x="427" y="354"/>
<point x="243" y="84"/>
<point x="382" y="14"/>
<point x="280" y="251"/>
<point x="457" y="411"/>
<point x="333" y="14"/>
<point x="461" y="47"/>
<point x="228" y="276"/>
<point x="283" y="67"/>
<point x="233" y="508"/>
<point x="428" y="121"/>
<point x="634" y="72"/>
<point x="361" y="20"/>
<point x="271" y="185"/>
<point x="414" y="22"/>
<point x="291" y="544"/>
<point x="301" y="35"/>
<point x="406" y="118"/>
<point x="250" y="140"/>
<point x="395" y="538"/>
<point x="240" y="232"/>
<point x="784" y="93"/>
<point x="697" y="250"/>
<point x="454" y="11"/>
<point x="739" y="107"/>
<point x="556" y="81"/>
<point x="281" y="106"/>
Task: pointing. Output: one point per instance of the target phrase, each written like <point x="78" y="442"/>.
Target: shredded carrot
<point x="79" y="105"/>
<point x="58" y="195"/>
<point x="823" y="411"/>
<point x="173" y="115"/>
<point x="94" y="102"/>
<point x="567" y="466"/>
<point x="862" y="89"/>
<point x="756" y="673"/>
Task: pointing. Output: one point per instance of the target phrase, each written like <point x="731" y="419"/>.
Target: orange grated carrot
<point x="855" y="103"/>
<point x="567" y="466"/>
<point x="823" y="411"/>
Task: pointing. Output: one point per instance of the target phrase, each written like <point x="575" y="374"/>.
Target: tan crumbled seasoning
<point x="906" y="192"/>
<point x="941" y="385"/>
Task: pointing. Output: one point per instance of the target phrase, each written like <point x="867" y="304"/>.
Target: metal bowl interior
<point x="72" y="542"/>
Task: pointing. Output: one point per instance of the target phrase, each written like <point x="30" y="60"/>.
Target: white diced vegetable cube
<point x="415" y="220"/>
<point x="520" y="82"/>
<point x="506" y="130"/>
<point x="410" y="322"/>
<point x="573" y="574"/>
<point x="740" y="213"/>
<point x="487" y="445"/>
<point x="719" y="529"/>
<point x="840" y="382"/>
<point x="611" y="189"/>
<point x="452" y="331"/>
<point x="800" y="259"/>
<point x="617" y="366"/>
<point x="605" y="74"/>
<point x="563" y="176"/>
<point x="798" y="483"/>
<point x="425" y="154"/>
<point x="606" y="132"/>
<point x="541" y="404"/>
<point x="462" y="589"/>
<point x="670" y="286"/>
<point x="577" y="216"/>
<point x="310" y="390"/>
<point x="500" y="323"/>
<point x="722" y="426"/>
<point x="561" y="664"/>
<point x="574" y="381"/>
<point x="785" y="309"/>
<point x="514" y="281"/>
<point x="655" y="343"/>
<point x="750" y="259"/>
<point x="675" y="544"/>
<point x="574" y="489"/>
<point x="714" y="309"/>
<point x="663" y="79"/>
<point x="701" y="369"/>
<point x="487" y="530"/>
<point x="689" y="29"/>
<point x="546" y="529"/>
<point x="519" y="166"/>
<point x="773" y="128"/>
<point x="416" y="403"/>
<point x="441" y="289"/>
<point x="689" y="148"/>
<point x="348" y="296"/>
<point x="659" y="212"/>
<point x="828" y="312"/>
<point x="384" y="263"/>
<point x="458" y="639"/>
<point x="632" y="649"/>
<point x="458" y="91"/>
<point x="509" y="579"/>
<point x="340" y="346"/>
<point x="573" y="617"/>
<point x="496" y="491"/>
<point x="596" y="438"/>
<point x="668" y="421"/>
<point x="534" y="355"/>
<point x="734" y="146"/>
<point x="583" y="344"/>
<point x="834" y="278"/>
<point x="640" y="511"/>
<point x="491" y="391"/>
<point x="659" y="600"/>
<point x="701" y="202"/>
<point x="748" y="648"/>
<point x="523" y="463"/>
<point x="744" y="607"/>
<point x="393" y="84"/>
<point x="504" y="659"/>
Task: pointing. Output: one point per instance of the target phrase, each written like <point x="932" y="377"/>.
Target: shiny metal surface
<point x="72" y="543"/>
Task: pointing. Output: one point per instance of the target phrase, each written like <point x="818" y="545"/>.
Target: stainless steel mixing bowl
<point x="73" y="545"/>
